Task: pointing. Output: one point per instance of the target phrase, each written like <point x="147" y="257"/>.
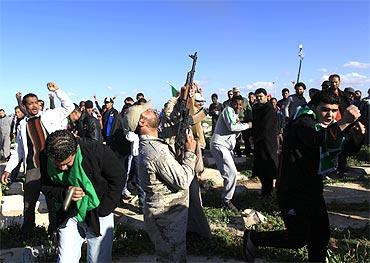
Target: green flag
<point x="174" y="91"/>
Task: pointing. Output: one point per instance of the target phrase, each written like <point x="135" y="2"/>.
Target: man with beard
<point x="166" y="185"/>
<point x="296" y="100"/>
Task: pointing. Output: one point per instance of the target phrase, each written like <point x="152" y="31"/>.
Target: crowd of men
<point x="97" y="155"/>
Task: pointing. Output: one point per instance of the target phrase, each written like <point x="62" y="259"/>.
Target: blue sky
<point x="117" y="48"/>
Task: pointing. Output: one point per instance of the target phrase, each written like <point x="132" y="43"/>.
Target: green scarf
<point x="330" y="149"/>
<point x="76" y="176"/>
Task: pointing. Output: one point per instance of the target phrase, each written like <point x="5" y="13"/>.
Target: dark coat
<point x="105" y="173"/>
<point x="90" y="128"/>
<point x="119" y="144"/>
<point x="264" y="131"/>
<point x="299" y="182"/>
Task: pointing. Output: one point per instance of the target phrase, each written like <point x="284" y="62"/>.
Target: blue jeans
<point x="72" y="234"/>
<point x="133" y="169"/>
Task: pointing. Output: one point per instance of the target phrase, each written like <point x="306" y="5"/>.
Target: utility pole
<point x="301" y="56"/>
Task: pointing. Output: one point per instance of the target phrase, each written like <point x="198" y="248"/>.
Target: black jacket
<point x="89" y="127"/>
<point x="105" y="173"/>
<point x="299" y="182"/>
<point x="264" y="130"/>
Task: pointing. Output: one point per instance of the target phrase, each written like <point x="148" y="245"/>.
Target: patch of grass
<point x="352" y="245"/>
<point x="247" y="173"/>
<point x="12" y="237"/>
<point x="128" y="241"/>
<point x="361" y="158"/>
<point x="222" y="243"/>
<point x="219" y="216"/>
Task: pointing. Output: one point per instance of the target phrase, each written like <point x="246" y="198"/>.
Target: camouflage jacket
<point x="164" y="180"/>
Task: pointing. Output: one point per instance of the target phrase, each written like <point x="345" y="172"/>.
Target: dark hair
<point x="334" y="76"/>
<point x="214" y="95"/>
<point x="236" y="98"/>
<point x="16" y="107"/>
<point x="60" y="145"/>
<point x="140" y="101"/>
<point x="139" y="94"/>
<point x="261" y="90"/>
<point x="77" y="108"/>
<point x="2" y="110"/>
<point x="300" y="84"/>
<point x="284" y="90"/>
<point x="273" y="98"/>
<point x="326" y="85"/>
<point x="251" y="93"/>
<point x="325" y="96"/>
<point x="29" y="95"/>
<point x="129" y="99"/>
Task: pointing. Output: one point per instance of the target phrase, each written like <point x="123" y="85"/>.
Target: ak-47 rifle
<point x="185" y="121"/>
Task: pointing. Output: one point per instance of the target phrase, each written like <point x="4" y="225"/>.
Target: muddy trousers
<point x="305" y="225"/>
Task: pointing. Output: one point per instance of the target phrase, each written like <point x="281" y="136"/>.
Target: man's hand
<point x="52" y="86"/>
<point x="78" y="193"/>
<point x="4" y="177"/>
<point x="18" y="95"/>
<point x="350" y="115"/>
<point x="94" y="96"/>
<point x="51" y="96"/>
<point x="190" y="144"/>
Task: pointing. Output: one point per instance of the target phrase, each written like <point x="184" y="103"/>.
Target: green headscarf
<point x="76" y="176"/>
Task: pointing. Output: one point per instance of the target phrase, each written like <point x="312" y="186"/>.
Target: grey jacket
<point x="5" y="123"/>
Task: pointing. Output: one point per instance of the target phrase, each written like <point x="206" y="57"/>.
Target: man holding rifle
<point x="166" y="184"/>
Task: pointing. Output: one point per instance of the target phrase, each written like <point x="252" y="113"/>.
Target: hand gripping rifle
<point x="184" y="120"/>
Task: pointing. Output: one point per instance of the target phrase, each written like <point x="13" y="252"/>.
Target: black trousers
<point x="266" y="171"/>
<point x="31" y="194"/>
<point x="305" y="225"/>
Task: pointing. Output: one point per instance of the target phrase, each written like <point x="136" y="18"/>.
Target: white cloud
<point x="123" y="92"/>
<point x="355" y="79"/>
<point x="109" y="88"/>
<point x="356" y="64"/>
<point x="268" y="85"/>
<point x="323" y="70"/>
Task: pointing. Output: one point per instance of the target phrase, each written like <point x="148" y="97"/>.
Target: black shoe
<point x="249" y="249"/>
<point x="230" y="206"/>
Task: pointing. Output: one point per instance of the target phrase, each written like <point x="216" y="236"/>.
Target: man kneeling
<point x="91" y="171"/>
